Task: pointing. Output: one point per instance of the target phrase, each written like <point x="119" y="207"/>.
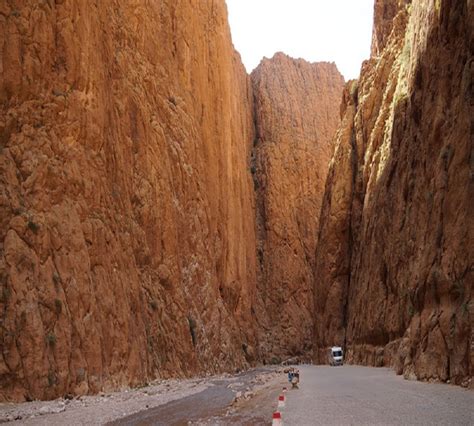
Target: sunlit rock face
<point x="395" y="251"/>
<point x="127" y="230"/>
<point x="296" y="114"/>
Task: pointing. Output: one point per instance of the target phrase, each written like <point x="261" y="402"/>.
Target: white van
<point x="335" y="355"/>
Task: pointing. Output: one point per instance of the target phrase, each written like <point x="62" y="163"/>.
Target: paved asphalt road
<point x="362" y="395"/>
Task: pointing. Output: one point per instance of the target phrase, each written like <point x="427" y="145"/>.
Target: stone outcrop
<point x="296" y="115"/>
<point x="394" y="260"/>
<point x="127" y="230"/>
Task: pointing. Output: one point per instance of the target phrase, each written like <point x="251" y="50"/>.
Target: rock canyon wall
<point x="160" y="209"/>
<point x="394" y="265"/>
<point x="296" y="115"/>
<point x="127" y="230"/>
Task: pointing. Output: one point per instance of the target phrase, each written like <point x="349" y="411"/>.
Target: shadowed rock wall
<point x="395" y="251"/>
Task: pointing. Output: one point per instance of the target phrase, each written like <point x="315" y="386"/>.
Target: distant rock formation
<point x="296" y="115"/>
<point x="395" y="254"/>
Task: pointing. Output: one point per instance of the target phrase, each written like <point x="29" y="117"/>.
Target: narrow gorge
<point x="165" y="214"/>
<point x="296" y="115"/>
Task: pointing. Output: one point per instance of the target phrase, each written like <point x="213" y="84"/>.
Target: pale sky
<point x="337" y="31"/>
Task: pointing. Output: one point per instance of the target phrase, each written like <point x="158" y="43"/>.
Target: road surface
<point x="327" y="396"/>
<point x="354" y="395"/>
<point x="347" y="395"/>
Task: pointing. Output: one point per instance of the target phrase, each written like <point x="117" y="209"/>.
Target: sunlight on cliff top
<point x="337" y="31"/>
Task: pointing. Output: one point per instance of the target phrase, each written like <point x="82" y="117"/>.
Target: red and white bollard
<point x="281" y="401"/>
<point x="277" y="420"/>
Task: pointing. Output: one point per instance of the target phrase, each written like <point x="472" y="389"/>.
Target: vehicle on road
<point x="335" y="356"/>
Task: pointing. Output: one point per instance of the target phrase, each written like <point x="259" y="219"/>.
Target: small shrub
<point x="429" y="197"/>
<point x="5" y="295"/>
<point x="275" y="360"/>
<point x="56" y="280"/>
<point x="33" y="226"/>
<point x="58" y="306"/>
<point x="446" y="155"/>
<point x="149" y="341"/>
<point x="154" y="305"/>
<point x="458" y="289"/>
<point x="80" y="374"/>
<point x="51" y="339"/>
<point x="354" y="90"/>
<point x="411" y="310"/>
<point x="192" y="330"/>
<point x="435" y="276"/>
<point x="51" y="378"/>
<point x="15" y="13"/>
<point x="439" y="237"/>
<point x="172" y="100"/>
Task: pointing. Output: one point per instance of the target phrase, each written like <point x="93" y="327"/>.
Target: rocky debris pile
<point x="257" y="384"/>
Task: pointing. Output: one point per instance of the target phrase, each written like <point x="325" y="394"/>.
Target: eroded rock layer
<point x="296" y="115"/>
<point x="127" y="234"/>
<point x="396" y="245"/>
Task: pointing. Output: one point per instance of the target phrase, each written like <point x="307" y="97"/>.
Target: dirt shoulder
<point x="254" y="407"/>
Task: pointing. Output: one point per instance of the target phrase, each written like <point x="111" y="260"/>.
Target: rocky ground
<point x="112" y="407"/>
<point x="101" y="408"/>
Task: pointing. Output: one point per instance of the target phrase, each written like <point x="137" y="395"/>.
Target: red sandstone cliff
<point x="296" y="114"/>
<point x="394" y="260"/>
<point x="127" y="234"/>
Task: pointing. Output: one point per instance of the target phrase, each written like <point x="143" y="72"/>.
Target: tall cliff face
<point x="127" y="233"/>
<point x="296" y="114"/>
<point x="396" y="244"/>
